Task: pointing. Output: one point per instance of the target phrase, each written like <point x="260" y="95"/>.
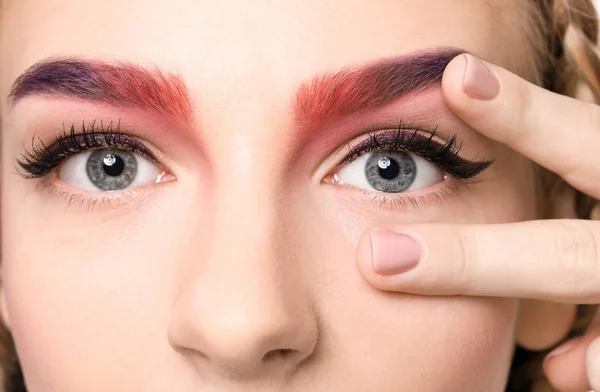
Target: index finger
<point x="558" y="132"/>
<point x="554" y="260"/>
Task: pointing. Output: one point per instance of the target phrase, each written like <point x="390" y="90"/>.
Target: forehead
<point x="264" y="46"/>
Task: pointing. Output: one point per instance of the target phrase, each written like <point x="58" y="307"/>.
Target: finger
<point x="541" y="324"/>
<point x="558" y="132"/>
<point x="593" y="363"/>
<point x="550" y="260"/>
<point x="574" y="365"/>
<point x="565" y="369"/>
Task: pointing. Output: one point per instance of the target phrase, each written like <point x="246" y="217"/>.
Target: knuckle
<point x="520" y="108"/>
<point x="465" y="264"/>
<point x="576" y="255"/>
<point x="576" y="166"/>
<point x="593" y="117"/>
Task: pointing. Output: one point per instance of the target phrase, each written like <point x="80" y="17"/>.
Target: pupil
<point x="113" y="165"/>
<point x="388" y="168"/>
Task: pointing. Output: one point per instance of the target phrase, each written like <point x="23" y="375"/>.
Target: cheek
<point x="508" y="186"/>
<point x="438" y="344"/>
<point x="96" y="299"/>
<point x="430" y="343"/>
<point x="435" y="343"/>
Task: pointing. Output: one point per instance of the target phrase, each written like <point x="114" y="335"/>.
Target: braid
<point x="577" y="29"/>
<point x="568" y="29"/>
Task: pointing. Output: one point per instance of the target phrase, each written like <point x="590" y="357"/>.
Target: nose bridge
<point x="245" y="241"/>
<point x="241" y="311"/>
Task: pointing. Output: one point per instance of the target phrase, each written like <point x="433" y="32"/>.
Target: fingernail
<point x="393" y="253"/>
<point x="478" y="81"/>
<point x="563" y="349"/>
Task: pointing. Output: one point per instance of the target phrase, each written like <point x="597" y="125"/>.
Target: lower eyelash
<point x="400" y="201"/>
<point x="90" y="203"/>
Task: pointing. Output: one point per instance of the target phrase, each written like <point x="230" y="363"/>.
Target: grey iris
<point x="111" y="169"/>
<point x="391" y="171"/>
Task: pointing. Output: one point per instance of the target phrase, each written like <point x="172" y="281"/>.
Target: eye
<point x="390" y="171"/>
<point x="107" y="169"/>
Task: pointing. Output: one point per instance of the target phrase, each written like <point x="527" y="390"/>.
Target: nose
<point x="242" y="311"/>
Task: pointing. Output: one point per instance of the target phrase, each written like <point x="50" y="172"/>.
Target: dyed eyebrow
<point x="352" y="90"/>
<point x="324" y="97"/>
<point x="118" y="84"/>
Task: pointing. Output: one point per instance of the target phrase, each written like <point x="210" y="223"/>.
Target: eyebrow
<point x="355" y="89"/>
<point x="326" y="96"/>
<point x="118" y="84"/>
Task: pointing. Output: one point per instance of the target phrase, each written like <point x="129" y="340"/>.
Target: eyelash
<point x="445" y="155"/>
<point x="40" y="160"/>
<point x="420" y="142"/>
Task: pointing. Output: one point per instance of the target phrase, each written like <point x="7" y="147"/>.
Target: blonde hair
<point x="563" y="41"/>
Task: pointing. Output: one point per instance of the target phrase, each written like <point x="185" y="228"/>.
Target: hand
<point x="562" y="256"/>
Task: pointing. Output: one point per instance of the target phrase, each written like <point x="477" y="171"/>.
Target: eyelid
<point x="400" y="202"/>
<point x="40" y="159"/>
<point x="444" y="153"/>
<point x="47" y="159"/>
<point x="130" y="199"/>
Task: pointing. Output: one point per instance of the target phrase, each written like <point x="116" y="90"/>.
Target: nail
<point x="393" y="253"/>
<point x="478" y="81"/>
<point x="563" y="348"/>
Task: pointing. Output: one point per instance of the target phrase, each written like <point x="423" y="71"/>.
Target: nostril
<point x="282" y="353"/>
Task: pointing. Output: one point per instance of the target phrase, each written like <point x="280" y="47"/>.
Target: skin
<point x="193" y="284"/>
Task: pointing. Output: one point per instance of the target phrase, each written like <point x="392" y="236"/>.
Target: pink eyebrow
<point x="353" y="90"/>
<point x="118" y="84"/>
<point x="324" y="97"/>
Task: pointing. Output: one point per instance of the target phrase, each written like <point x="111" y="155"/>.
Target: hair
<point x="564" y="38"/>
<point x="563" y="35"/>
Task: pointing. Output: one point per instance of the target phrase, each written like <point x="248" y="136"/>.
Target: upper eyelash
<point x="445" y="155"/>
<point x="40" y="160"/>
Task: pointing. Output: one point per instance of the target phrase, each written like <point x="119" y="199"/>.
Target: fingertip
<point x="452" y="82"/>
<point x="384" y="255"/>
<point x="364" y="254"/>
<point x="364" y="262"/>
<point x="470" y="87"/>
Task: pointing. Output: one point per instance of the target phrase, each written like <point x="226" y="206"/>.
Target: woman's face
<point x="218" y="255"/>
